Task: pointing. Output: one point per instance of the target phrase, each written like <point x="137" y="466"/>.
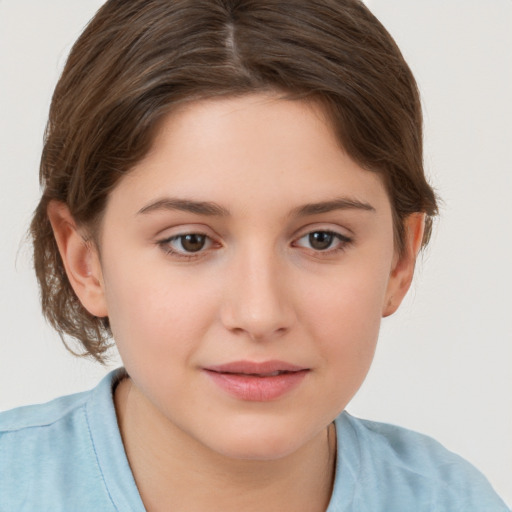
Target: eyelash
<point x="343" y="242"/>
<point x="167" y="248"/>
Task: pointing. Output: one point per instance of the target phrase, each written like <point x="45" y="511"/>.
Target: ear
<point x="80" y="258"/>
<point x="402" y="271"/>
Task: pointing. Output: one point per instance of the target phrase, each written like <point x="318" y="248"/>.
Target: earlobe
<point x="80" y="258"/>
<point x="403" y="266"/>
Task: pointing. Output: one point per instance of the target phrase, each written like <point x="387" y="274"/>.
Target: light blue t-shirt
<point x="67" y="455"/>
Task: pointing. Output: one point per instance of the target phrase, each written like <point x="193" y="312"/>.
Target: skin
<point x="258" y="290"/>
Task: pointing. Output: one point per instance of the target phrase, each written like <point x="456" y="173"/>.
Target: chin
<point x="258" y="444"/>
<point x="258" y="451"/>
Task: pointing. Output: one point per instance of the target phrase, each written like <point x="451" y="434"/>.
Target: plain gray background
<point x="443" y="365"/>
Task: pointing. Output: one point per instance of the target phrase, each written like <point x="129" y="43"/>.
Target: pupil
<point x="193" y="243"/>
<point x="320" y="240"/>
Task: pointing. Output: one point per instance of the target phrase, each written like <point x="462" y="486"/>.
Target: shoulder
<point x="29" y="433"/>
<point x="402" y="446"/>
<point x="46" y="450"/>
<point x="41" y="415"/>
<point x="393" y="468"/>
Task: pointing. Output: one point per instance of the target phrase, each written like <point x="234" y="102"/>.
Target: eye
<point x="323" y="240"/>
<point x="192" y="243"/>
<point x="186" y="244"/>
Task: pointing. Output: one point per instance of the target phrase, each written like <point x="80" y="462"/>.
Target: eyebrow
<point x="342" y="203"/>
<point x="186" y="205"/>
<point x="213" y="209"/>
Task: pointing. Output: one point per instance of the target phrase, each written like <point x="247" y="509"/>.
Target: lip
<point x="257" y="381"/>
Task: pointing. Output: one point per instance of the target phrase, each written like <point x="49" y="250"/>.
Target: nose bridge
<point x="256" y="302"/>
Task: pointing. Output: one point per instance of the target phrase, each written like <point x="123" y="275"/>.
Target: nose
<point x="258" y="301"/>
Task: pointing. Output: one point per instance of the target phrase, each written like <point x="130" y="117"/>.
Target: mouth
<point x="262" y="375"/>
<point x="262" y="369"/>
<point x="258" y="375"/>
<point x="261" y="382"/>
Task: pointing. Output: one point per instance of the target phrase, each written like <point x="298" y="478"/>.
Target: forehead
<point x="252" y="149"/>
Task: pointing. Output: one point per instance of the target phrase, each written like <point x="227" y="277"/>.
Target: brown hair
<point x="137" y="59"/>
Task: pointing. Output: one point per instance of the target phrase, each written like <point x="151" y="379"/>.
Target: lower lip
<point x="257" y="389"/>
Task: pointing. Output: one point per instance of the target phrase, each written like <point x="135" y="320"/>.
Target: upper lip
<point x="255" y="368"/>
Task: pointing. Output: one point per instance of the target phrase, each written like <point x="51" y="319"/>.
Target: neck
<point x="174" y="471"/>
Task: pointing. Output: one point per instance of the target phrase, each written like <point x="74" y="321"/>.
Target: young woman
<point x="233" y="193"/>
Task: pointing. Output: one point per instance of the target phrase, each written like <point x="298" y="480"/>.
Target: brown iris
<point x="193" y="242"/>
<point x="321" y="240"/>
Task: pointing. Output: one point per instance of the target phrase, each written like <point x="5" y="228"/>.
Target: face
<point x="246" y="263"/>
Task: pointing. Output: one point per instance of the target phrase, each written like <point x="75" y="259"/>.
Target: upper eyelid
<point x="165" y="245"/>
<point x="329" y="228"/>
<point x="182" y="230"/>
<point x="343" y="239"/>
<point x="173" y="232"/>
<point x="325" y="230"/>
<point x="343" y="243"/>
<point x="179" y="235"/>
<point x="169" y="239"/>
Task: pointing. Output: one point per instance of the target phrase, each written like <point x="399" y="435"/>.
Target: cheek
<point x="344" y="318"/>
<point x="347" y="329"/>
<point x="156" y="316"/>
